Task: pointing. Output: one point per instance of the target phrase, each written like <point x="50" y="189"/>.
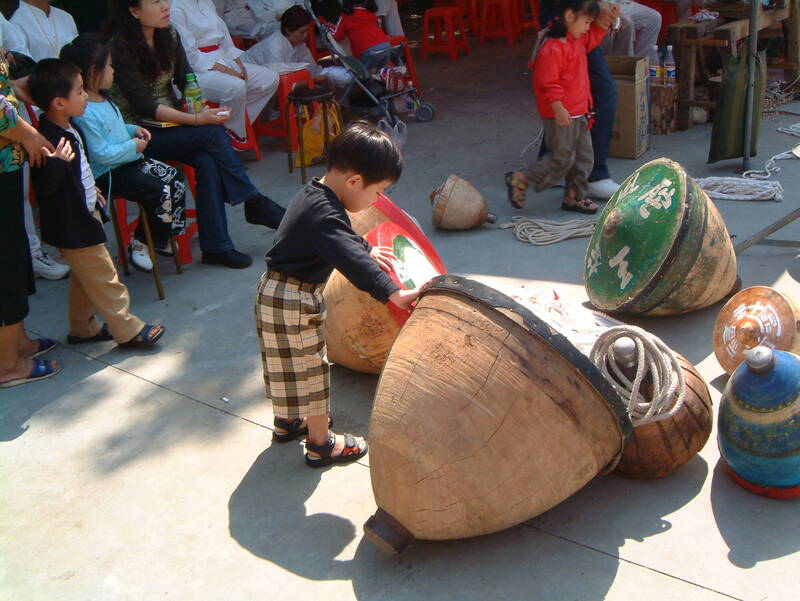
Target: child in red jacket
<point x="360" y="25"/>
<point x="563" y="99"/>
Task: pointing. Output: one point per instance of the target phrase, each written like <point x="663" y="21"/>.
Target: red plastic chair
<point x="124" y="230"/>
<point x="252" y="139"/>
<point x="184" y="241"/>
<point x="284" y="126"/>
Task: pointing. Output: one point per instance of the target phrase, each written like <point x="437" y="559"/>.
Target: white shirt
<point x="200" y="26"/>
<point x="278" y="49"/>
<point x="86" y="174"/>
<point x="11" y="38"/>
<point x="239" y="18"/>
<point x="46" y="35"/>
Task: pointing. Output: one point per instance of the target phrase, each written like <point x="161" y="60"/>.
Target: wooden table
<point x="689" y="40"/>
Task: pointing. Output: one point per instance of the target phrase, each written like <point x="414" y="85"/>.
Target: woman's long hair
<point x="126" y="30"/>
<point x="558" y="28"/>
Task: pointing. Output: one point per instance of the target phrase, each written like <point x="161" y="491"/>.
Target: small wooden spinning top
<point x="457" y="205"/>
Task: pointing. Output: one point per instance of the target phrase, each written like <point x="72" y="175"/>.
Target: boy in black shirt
<point x="314" y="238"/>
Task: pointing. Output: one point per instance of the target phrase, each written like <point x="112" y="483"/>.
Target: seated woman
<point x="225" y="79"/>
<point x="148" y="59"/>
<point x="288" y="45"/>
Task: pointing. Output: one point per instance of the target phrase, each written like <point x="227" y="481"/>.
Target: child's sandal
<point x="583" y="205"/>
<point x="294" y="429"/>
<point x="515" y="187"/>
<point x="354" y="449"/>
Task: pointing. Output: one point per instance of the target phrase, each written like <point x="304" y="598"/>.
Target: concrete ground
<point x="150" y="475"/>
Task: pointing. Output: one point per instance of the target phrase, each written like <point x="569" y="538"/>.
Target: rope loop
<point x="652" y="357"/>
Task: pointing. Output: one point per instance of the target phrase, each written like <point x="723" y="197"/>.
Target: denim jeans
<point x="604" y="96"/>
<point x="220" y="176"/>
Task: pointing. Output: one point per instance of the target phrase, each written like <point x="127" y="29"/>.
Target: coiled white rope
<point x="653" y="357"/>
<point x="737" y="188"/>
<point x="541" y="232"/>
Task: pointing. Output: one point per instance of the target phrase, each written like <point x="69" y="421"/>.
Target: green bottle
<point x="193" y="95"/>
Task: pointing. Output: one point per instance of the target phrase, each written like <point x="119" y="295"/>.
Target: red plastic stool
<point x="532" y="20"/>
<point x="449" y="33"/>
<point x="284" y="126"/>
<point x="124" y="230"/>
<point x="500" y="19"/>
<point x="184" y="240"/>
<point x="394" y="40"/>
<point x="469" y="10"/>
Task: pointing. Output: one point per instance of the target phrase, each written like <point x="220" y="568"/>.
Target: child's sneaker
<point x="45" y="266"/>
<point x="139" y="256"/>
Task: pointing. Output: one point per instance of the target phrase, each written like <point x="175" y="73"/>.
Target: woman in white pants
<point x="223" y="76"/>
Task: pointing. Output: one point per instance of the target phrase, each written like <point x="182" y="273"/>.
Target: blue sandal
<point x="45" y="344"/>
<point x="144" y="335"/>
<point x="41" y="369"/>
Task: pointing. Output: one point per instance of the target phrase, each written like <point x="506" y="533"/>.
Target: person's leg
<point x="226" y="90"/>
<point x="554" y="165"/>
<point x="604" y="99"/>
<point x="576" y="178"/>
<point x="619" y="42"/>
<point x="262" y="83"/>
<point x="95" y="288"/>
<point x="391" y="17"/>
<point x="647" y="23"/>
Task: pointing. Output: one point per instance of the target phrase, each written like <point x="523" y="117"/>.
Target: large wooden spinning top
<point x="484" y="417"/>
<point x="457" y="205"/>
<point x="660" y="246"/>
<point x="359" y="330"/>
<point x="756" y="316"/>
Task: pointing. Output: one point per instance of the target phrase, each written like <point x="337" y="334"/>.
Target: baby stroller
<point x="373" y="95"/>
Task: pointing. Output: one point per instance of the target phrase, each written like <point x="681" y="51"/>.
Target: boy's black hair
<point x="348" y="6"/>
<point x="293" y="18"/>
<point x="52" y="78"/>
<point x="367" y="151"/>
<point x="558" y="28"/>
<point x="90" y="54"/>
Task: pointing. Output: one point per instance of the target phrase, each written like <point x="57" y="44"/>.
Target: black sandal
<point x="352" y="451"/>
<point x="584" y="205"/>
<point x="292" y="427"/>
<point x="145" y="340"/>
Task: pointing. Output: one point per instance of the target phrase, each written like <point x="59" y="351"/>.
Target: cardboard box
<point x="630" y="137"/>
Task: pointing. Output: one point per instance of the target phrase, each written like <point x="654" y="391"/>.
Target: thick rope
<point x="737" y="188"/>
<point x="541" y="232"/>
<point x="653" y="357"/>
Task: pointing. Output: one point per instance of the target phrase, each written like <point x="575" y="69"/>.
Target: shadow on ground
<point x="755" y="528"/>
<point x="267" y="517"/>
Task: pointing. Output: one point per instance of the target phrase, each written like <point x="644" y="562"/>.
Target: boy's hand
<point x="100" y="198"/>
<point x="144" y="134"/>
<point x="404" y="298"/>
<point x="383" y="257"/>
<point x="37" y="147"/>
<point x="63" y="151"/>
<point x="140" y="143"/>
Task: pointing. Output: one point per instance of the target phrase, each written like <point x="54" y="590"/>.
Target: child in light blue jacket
<point x="115" y="152"/>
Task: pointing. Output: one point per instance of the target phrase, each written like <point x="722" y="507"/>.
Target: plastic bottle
<point x="193" y="95"/>
<point x="670" y="70"/>
<point x="655" y="66"/>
